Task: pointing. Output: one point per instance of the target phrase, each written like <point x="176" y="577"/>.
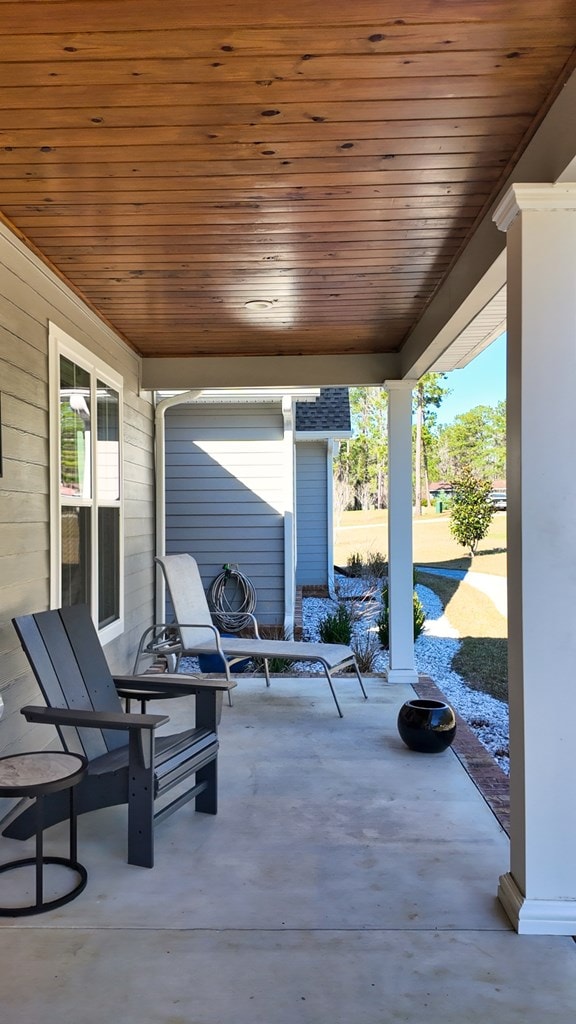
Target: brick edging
<point x="486" y="774"/>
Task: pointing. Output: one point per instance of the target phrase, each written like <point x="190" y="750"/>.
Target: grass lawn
<point x="434" y="545"/>
<point x="482" y="658"/>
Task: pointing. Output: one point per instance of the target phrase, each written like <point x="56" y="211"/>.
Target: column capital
<point x="561" y="196"/>
<point x="400" y="385"/>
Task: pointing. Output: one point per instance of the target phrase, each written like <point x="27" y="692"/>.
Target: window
<point x="86" y="541"/>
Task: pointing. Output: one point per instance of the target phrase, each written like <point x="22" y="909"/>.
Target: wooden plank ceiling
<point x="241" y="177"/>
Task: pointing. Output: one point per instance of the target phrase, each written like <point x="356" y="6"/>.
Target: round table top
<point x="40" y="771"/>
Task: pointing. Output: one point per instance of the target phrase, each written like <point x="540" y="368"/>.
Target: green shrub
<point x="337" y="627"/>
<point x="383" y="620"/>
<point x="373" y="565"/>
<point x="419" y="615"/>
<point x="366" y="647"/>
<point x="355" y="564"/>
<point x="471" y="512"/>
<point x="376" y="565"/>
<point x="278" y="663"/>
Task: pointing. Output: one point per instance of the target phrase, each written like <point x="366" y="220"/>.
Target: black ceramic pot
<point x="427" y="725"/>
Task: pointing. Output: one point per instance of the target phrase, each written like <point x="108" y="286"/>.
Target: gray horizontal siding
<point x="30" y="297"/>
<point x="225" y="482"/>
<point x="311" y="514"/>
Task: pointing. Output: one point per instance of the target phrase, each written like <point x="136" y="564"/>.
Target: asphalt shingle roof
<point x="329" y="412"/>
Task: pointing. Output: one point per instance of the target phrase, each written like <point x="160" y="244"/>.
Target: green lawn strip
<point x="434" y="544"/>
<point x="482" y="660"/>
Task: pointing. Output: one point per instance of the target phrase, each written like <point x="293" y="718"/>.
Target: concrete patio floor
<point x="345" y="880"/>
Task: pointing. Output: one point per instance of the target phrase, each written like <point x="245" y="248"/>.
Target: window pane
<point x="108" y="565"/>
<point x="76" y="555"/>
<point x="75" y="454"/>
<point x="108" y="443"/>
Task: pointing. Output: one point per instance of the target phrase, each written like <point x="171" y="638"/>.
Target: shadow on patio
<point x="345" y="879"/>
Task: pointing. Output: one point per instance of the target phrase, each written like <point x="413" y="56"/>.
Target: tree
<point x="471" y="512"/>
<point x="343" y="496"/>
<point x="428" y="395"/>
<point x="361" y="464"/>
<point x="475" y="443"/>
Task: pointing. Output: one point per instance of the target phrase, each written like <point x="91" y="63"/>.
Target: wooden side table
<point x="33" y="775"/>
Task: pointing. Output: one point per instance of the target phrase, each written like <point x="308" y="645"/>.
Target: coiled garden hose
<point x="232" y="599"/>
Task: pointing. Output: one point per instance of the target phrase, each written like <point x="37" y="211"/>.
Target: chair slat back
<point x="188" y="597"/>
<point x="93" y="667"/>
<point x="60" y="677"/>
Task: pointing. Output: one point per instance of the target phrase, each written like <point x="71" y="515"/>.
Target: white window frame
<point x="62" y="344"/>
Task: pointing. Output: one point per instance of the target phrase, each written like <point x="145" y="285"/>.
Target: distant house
<point x="248" y="480"/>
<point x="442" y="489"/>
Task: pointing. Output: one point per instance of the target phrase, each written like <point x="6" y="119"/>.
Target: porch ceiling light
<point x="258" y="304"/>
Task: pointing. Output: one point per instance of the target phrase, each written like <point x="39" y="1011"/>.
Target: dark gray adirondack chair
<point x="127" y="763"/>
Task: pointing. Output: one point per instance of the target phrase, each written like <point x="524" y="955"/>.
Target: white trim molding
<point x="323" y="435"/>
<point x="182" y="398"/>
<point x="536" y="917"/>
<point x="546" y="197"/>
<point x="62" y="344"/>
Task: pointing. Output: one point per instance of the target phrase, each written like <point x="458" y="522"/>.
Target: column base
<point x="536" y="917"/>
<point x="402" y="675"/>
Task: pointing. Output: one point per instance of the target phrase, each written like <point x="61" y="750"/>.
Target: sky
<point x="482" y="382"/>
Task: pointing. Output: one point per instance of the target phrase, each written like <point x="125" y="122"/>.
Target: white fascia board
<point x="323" y="435"/>
<point x="480" y="271"/>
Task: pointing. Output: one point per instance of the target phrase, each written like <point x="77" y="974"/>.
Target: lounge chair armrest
<point x="160" y="628"/>
<point x="159" y="638"/>
<point x="171" y="681"/>
<point x="91" y="719"/>
<point x="203" y="625"/>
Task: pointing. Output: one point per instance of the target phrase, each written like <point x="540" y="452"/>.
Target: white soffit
<point x="488" y="325"/>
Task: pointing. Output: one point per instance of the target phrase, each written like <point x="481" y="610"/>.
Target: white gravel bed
<point x="434" y="651"/>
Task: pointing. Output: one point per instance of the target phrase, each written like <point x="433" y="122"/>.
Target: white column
<point x="539" y="892"/>
<point x="400" y="571"/>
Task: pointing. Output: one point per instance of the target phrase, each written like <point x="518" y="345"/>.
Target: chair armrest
<point x="92" y="719"/>
<point x="201" y="625"/>
<point x="243" y="616"/>
<point x="171" y="681"/>
<point x="155" y="640"/>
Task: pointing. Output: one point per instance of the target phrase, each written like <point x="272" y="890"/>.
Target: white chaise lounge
<point x="197" y="634"/>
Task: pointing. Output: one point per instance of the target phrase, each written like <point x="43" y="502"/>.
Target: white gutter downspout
<point x="330" y="446"/>
<point x="160" y="478"/>
<point x="289" y="517"/>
